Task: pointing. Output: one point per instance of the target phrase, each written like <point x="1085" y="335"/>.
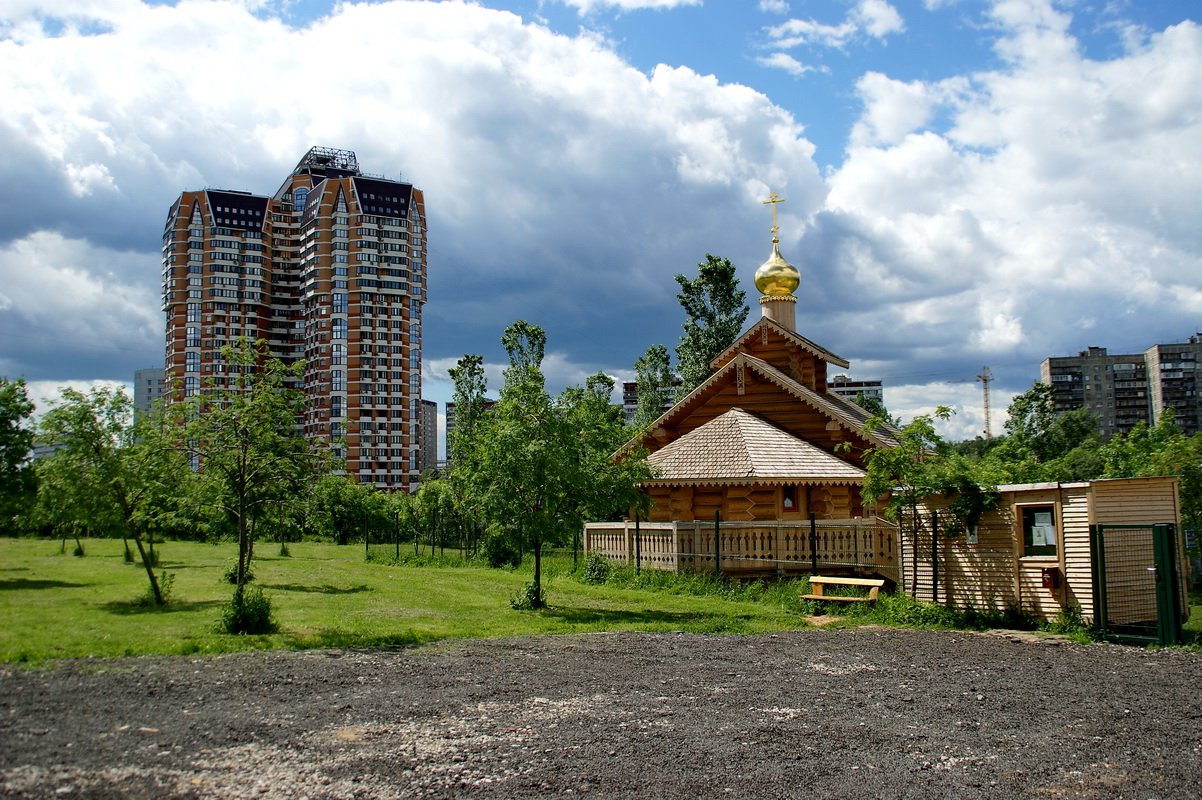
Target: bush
<point x="531" y="598"/>
<point x="499" y="551"/>
<point x="596" y="569"/>
<point x="166" y="584"/>
<point x="248" y="611"/>
<point x="284" y="551"/>
<point x="231" y="574"/>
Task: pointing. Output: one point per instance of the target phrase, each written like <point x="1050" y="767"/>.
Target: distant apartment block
<point x="630" y="398"/>
<point x="429" y="440"/>
<point x="331" y="269"/>
<point x="1124" y="390"/>
<point x="846" y="387"/>
<point x="148" y="387"/>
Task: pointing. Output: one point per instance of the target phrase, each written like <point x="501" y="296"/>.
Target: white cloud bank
<point x="992" y="218"/>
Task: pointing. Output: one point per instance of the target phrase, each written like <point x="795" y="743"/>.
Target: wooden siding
<point x="995" y="573"/>
<point x="753" y="502"/>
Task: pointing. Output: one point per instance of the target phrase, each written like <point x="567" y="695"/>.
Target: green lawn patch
<point x="55" y="605"/>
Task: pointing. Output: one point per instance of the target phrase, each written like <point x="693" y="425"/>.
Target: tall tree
<point x="653" y="376"/>
<point x="16" y="444"/>
<point x="716" y="309"/>
<point x="539" y="464"/>
<point x="112" y="471"/>
<point x="470" y="386"/>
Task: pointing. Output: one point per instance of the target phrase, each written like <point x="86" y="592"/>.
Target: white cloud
<point x="774" y="6"/>
<point x="966" y="399"/>
<point x="573" y="183"/>
<point x="877" y="18"/>
<point x="589" y="6"/>
<point x="66" y="300"/>
<point x="786" y="62"/>
<point x="1003" y="217"/>
<point x="801" y="32"/>
<point x="874" y="18"/>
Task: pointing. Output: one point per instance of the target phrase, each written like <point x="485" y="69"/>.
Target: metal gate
<point x="1136" y="585"/>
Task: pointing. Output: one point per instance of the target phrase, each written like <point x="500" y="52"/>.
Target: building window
<point x="1039" y="530"/>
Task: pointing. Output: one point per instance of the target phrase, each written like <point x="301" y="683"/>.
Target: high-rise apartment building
<point x="1123" y="390"/>
<point x="331" y="269"/>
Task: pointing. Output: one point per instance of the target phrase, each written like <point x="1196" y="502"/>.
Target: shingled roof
<point x="738" y="447"/>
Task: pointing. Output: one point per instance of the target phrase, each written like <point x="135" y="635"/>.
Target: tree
<point x="716" y="309"/>
<point x="1042" y="445"/>
<point x="16" y="442"/>
<point x="111" y="471"/>
<point x="537" y="465"/>
<point x="653" y="376"/>
<point x="470" y="386"/>
<point x="244" y="440"/>
<point x="339" y="508"/>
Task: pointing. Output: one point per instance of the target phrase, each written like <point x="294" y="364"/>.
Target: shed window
<point x="1039" y="530"/>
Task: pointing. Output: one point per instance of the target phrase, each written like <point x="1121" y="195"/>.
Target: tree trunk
<point x="154" y="582"/>
<point x="537" y="600"/>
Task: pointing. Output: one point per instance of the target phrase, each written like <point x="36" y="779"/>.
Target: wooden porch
<point x="859" y="546"/>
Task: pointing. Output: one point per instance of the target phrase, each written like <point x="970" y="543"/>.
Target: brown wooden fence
<point x="863" y="546"/>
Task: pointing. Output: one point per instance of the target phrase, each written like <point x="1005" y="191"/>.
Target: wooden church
<point x="763" y="438"/>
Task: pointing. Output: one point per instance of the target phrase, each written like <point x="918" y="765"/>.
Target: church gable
<point x="793" y="354"/>
<point x="761" y="389"/>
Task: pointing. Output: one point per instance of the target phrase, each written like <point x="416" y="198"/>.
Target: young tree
<point x="16" y="443"/>
<point x="112" y="470"/>
<point x="245" y="442"/>
<point x="653" y="375"/>
<point x="716" y="309"/>
<point x="538" y="465"/>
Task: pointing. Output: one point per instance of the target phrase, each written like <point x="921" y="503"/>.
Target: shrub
<point x="166" y="584"/>
<point x="530" y="599"/>
<point x="499" y="551"/>
<point x="248" y="611"/>
<point x="231" y="574"/>
<point x="284" y="551"/>
<point x="596" y="569"/>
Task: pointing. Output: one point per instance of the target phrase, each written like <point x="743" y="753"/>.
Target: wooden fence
<point x="861" y="546"/>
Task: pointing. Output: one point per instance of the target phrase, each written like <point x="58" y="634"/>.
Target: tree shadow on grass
<point x="140" y="606"/>
<point x="326" y="589"/>
<point x="647" y="616"/>
<point x="28" y="583"/>
<point x="337" y="640"/>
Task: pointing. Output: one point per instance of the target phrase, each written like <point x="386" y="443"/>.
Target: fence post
<point x="813" y="544"/>
<point x="934" y="556"/>
<point x="638" y="545"/>
<point x="717" y="545"/>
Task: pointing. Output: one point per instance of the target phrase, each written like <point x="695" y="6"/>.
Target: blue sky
<point x="968" y="183"/>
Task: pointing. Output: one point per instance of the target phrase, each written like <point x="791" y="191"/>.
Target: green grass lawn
<point x="56" y="605"/>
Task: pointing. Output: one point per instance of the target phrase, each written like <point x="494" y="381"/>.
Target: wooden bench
<point x="818" y="584"/>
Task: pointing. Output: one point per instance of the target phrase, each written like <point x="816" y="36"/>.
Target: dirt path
<point x="811" y="714"/>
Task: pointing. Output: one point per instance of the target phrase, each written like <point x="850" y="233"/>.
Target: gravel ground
<point x="863" y="713"/>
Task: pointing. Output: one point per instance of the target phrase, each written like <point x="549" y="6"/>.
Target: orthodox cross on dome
<point x="772" y="200"/>
<point x="776" y="278"/>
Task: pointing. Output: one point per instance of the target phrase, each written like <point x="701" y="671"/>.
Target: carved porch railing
<point x="860" y="545"/>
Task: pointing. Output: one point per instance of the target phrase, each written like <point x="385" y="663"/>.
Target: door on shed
<point x="1135" y="582"/>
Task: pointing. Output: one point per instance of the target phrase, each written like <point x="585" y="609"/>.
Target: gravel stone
<point x="806" y="714"/>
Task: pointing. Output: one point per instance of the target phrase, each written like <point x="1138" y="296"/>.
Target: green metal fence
<point x="1136" y="582"/>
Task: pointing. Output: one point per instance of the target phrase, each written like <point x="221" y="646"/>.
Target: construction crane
<point x="985" y="378"/>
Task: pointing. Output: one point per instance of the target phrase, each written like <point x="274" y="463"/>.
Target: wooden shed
<point x="1113" y="549"/>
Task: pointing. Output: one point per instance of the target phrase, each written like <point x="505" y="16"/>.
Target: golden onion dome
<point x="777" y="277"/>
